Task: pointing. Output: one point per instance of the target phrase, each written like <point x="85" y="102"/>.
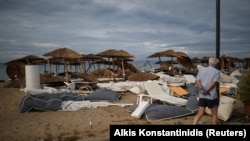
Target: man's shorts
<point x="203" y="102"/>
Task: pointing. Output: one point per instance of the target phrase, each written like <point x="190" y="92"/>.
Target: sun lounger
<point x="190" y="79"/>
<point x="69" y="87"/>
<point x="138" y="112"/>
<point x="174" y="80"/>
<point x="178" y="91"/>
<point x="232" y="87"/>
<point x="224" y="90"/>
<point x="156" y="92"/>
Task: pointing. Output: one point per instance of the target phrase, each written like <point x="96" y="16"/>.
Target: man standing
<point x="206" y="82"/>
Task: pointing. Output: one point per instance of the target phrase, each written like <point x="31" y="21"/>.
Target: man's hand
<point x="203" y="91"/>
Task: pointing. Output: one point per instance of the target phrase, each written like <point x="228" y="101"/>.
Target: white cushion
<point x="225" y="108"/>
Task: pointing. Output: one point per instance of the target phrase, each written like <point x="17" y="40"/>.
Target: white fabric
<point x="228" y="79"/>
<point x="118" y="86"/>
<point x="155" y="91"/>
<point x="77" y="105"/>
<point x="173" y="79"/>
<point x="190" y="79"/>
<point x="135" y="90"/>
<point x="235" y="73"/>
<point x="225" y="108"/>
<point x="38" y="91"/>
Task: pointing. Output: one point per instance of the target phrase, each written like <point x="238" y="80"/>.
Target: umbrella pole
<point x="113" y="63"/>
<point x="44" y="68"/>
<point x="173" y="65"/>
<point x="123" y="73"/>
<point x="66" y="70"/>
<point x="114" y="69"/>
<point x="49" y="66"/>
<point x="56" y="69"/>
<point x="84" y="66"/>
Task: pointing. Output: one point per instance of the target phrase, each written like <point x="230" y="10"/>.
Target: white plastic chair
<point x="71" y="87"/>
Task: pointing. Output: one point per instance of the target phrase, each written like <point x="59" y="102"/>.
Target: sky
<point x="140" y="27"/>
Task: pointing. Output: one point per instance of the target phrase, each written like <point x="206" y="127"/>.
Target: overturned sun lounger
<point x="155" y="91"/>
<point x="143" y="105"/>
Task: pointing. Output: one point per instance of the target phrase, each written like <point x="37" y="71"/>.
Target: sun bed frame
<point x="155" y="92"/>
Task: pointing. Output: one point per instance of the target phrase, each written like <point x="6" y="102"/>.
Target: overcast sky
<point x="141" y="27"/>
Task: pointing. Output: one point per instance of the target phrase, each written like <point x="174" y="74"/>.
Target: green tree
<point x="244" y="86"/>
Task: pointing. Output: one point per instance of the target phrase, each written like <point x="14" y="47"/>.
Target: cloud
<point x="141" y="27"/>
<point x="49" y="45"/>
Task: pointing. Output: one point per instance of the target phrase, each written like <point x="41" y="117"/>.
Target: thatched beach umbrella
<point x="91" y="59"/>
<point x="64" y="53"/>
<point x="113" y="53"/>
<point x="184" y="60"/>
<point x="100" y="73"/>
<point x="85" y="76"/>
<point x="29" y="59"/>
<point x="227" y="61"/>
<point x="167" y="53"/>
<point x="196" y="60"/>
<point x="16" y="68"/>
<point x="142" y="76"/>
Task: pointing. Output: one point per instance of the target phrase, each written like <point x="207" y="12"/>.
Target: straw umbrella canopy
<point x="29" y="59"/>
<point x="196" y="60"/>
<point x="90" y="58"/>
<point x="100" y="73"/>
<point x="205" y="59"/>
<point x="64" y="53"/>
<point x="186" y="61"/>
<point x="167" y="53"/>
<point x="227" y="61"/>
<point x="142" y="76"/>
<point x="16" y="68"/>
<point x="118" y="54"/>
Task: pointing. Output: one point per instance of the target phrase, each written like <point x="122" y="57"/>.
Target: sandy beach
<point x="74" y="125"/>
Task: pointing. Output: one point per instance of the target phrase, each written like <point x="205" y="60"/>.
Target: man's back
<point x="206" y="76"/>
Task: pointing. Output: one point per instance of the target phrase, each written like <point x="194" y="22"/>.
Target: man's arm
<point x="198" y="83"/>
<point x="211" y="86"/>
<point x="201" y="89"/>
